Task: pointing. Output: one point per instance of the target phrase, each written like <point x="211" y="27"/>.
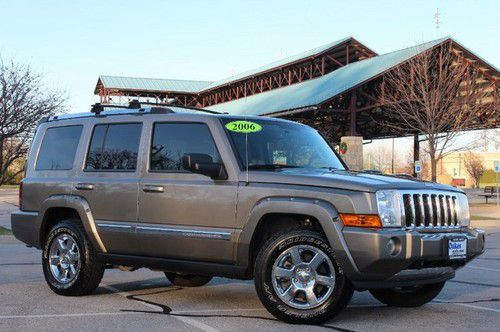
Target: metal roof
<point x="151" y="84"/>
<point x="318" y="90"/>
<point x="279" y="63"/>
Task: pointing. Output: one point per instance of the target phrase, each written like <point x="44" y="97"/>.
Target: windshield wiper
<point x="271" y="166"/>
<point x="331" y="169"/>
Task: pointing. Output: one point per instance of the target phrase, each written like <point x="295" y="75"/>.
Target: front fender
<point x="81" y="206"/>
<point x="323" y="211"/>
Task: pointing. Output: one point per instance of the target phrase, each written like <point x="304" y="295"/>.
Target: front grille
<point x="430" y="209"/>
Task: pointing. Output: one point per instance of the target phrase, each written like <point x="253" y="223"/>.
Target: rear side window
<point x="58" y="148"/>
<point x="114" y="147"/>
<point x="172" y="140"/>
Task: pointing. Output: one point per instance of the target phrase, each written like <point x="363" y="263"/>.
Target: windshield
<point x="279" y="144"/>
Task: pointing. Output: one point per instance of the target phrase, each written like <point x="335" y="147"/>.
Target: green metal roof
<point x="279" y="63"/>
<point x="318" y="90"/>
<point x="152" y="84"/>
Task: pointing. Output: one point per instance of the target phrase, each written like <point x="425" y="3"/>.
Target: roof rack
<point x="97" y="108"/>
<point x="134" y="107"/>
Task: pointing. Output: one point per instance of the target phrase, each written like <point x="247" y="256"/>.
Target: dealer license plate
<point x="457" y="248"/>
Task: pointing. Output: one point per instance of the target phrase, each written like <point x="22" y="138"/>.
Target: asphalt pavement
<point x="145" y="300"/>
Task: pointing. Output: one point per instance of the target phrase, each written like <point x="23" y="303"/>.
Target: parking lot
<point x="146" y="300"/>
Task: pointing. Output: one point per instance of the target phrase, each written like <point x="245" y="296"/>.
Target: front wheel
<point x="298" y="280"/>
<point x="412" y="296"/>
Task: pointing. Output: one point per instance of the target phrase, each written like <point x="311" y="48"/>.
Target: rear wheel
<point x="187" y="280"/>
<point x="412" y="296"/>
<point x="70" y="262"/>
<point x="298" y="280"/>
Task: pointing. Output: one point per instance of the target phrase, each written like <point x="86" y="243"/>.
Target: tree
<point x="438" y="94"/>
<point x="23" y="102"/>
<point x="474" y="166"/>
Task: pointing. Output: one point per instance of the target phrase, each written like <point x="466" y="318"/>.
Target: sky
<point x="71" y="43"/>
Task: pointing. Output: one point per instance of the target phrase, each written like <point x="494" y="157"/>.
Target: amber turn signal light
<point x="361" y="220"/>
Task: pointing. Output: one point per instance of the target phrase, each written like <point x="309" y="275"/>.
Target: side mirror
<point x="203" y="164"/>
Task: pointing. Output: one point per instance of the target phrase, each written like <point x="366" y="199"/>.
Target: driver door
<point x="183" y="215"/>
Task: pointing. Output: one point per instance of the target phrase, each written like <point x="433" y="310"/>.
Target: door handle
<point x="153" y="189"/>
<point x="84" y="186"/>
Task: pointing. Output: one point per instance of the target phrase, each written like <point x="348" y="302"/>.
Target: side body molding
<point x="82" y="207"/>
<point x="323" y="211"/>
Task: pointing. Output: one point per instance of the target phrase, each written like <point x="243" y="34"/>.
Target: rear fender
<point x="81" y="206"/>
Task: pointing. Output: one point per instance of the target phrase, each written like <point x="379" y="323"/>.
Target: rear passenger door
<point x="184" y="215"/>
<point x="109" y="180"/>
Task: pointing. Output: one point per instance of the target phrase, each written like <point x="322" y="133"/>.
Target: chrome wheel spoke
<point x="328" y="281"/>
<point x="61" y="244"/>
<point x="72" y="268"/>
<point x="67" y="273"/>
<point x="54" y="259"/>
<point x="316" y="261"/>
<point x="295" y="255"/>
<point x="311" y="296"/>
<point x="281" y="272"/>
<point x="290" y="293"/>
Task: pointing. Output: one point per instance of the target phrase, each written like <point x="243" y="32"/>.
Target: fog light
<point x="393" y="246"/>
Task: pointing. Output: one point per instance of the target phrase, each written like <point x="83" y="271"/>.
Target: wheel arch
<point x="66" y="207"/>
<point x="321" y="214"/>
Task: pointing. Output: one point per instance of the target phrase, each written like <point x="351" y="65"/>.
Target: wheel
<point x="187" y="280"/>
<point x="413" y="296"/>
<point x="298" y="280"/>
<point x="70" y="263"/>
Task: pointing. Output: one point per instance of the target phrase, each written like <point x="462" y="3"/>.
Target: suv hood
<point x="342" y="179"/>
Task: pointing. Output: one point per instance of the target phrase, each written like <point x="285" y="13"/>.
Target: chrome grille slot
<point x="409" y="210"/>
<point x="427" y="210"/>
<point x="430" y="209"/>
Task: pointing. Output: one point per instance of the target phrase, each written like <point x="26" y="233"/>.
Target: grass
<point x="9" y="186"/>
<point x="475" y="217"/>
<point x="5" y="231"/>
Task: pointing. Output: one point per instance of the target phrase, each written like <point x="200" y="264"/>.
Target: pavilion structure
<point x="332" y="87"/>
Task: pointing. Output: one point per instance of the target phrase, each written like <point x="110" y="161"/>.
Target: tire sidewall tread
<point x="266" y="257"/>
<point x="91" y="267"/>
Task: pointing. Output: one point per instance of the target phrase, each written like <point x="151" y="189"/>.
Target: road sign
<point x="418" y="166"/>
<point x="496" y="166"/>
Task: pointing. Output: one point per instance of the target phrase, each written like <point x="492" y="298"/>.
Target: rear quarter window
<point x="58" y="148"/>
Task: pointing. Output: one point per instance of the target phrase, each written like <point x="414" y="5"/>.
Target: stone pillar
<point x="353" y="155"/>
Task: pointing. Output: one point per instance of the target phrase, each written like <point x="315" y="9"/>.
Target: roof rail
<point x="97" y="108"/>
<point x="138" y="104"/>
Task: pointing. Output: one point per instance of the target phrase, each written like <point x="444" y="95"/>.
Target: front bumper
<point x="417" y="253"/>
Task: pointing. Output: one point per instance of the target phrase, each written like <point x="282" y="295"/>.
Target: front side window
<point x="279" y="144"/>
<point x="59" y="148"/>
<point x="114" y="147"/>
<point x="172" y="140"/>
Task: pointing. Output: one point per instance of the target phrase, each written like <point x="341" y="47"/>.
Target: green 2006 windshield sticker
<point x="243" y="126"/>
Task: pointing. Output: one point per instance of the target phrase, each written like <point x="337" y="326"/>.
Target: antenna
<point x="437" y="21"/>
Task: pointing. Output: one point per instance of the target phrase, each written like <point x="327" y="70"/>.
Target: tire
<point x="84" y="274"/>
<point x="408" y="296"/>
<point x="187" y="280"/>
<point x="276" y="274"/>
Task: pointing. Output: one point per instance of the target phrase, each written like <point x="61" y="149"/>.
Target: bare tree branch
<point x="23" y="102"/>
<point x="439" y="94"/>
<point x="474" y="166"/>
